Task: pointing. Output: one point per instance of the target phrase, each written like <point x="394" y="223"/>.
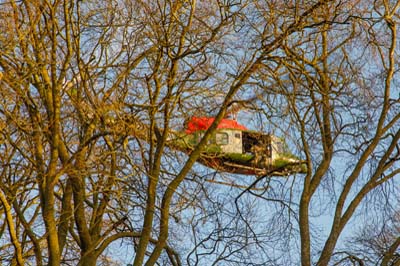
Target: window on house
<point x="221" y="138"/>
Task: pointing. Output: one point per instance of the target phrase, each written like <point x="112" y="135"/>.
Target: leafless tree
<point x="376" y="243"/>
<point x="91" y="92"/>
<point x="336" y="85"/>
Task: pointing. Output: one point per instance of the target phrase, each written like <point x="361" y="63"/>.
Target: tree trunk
<point x="88" y="259"/>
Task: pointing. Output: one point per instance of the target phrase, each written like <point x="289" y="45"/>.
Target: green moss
<point x="289" y="165"/>
<point x="303" y="168"/>
<point x="288" y="155"/>
<point x="184" y="141"/>
<point x="190" y="142"/>
<point x="238" y="157"/>
<point x="212" y="148"/>
<point x="281" y="162"/>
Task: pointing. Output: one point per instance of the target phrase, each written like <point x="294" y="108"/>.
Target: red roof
<point x="203" y="123"/>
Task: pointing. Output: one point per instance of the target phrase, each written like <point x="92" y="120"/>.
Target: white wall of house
<point x="275" y="147"/>
<point x="229" y="140"/>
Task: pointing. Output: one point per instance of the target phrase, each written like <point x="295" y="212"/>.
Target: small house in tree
<point x="228" y="136"/>
<point x="234" y="148"/>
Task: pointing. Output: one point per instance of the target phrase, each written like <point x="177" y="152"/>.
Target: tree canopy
<point x="90" y="92"/>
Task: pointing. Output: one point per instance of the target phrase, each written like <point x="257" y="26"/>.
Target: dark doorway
<point x="256" y="142"/>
